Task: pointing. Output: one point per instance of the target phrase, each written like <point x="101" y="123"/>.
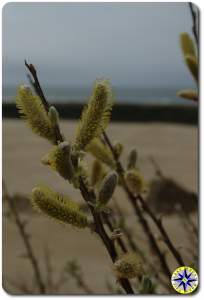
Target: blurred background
<point x="136" y="47"/>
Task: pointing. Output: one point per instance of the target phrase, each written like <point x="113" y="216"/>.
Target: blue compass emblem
<point x="184" y="280"/>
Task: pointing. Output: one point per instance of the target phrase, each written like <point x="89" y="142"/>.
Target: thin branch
<point x="158" y="223"/>
<point x="37" y="85"/>
<point x="145" y="206"/>
<point x="99" y="229"/>
<point x="25" y="238"/>
<point x="135" y="247"/>
<point x="137" y="210"/>
<point x="195" y="24"/>
<point x="111" y="228"/>
<point x="38" y="89"/>
<point x="74" y="270"/>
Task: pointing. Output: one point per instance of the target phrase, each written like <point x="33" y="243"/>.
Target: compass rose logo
<point x="184" y="280"/>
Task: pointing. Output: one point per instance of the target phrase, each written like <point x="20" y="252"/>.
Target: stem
<point x="99" y="229"/>
<point x="36" y="85"/>
<point x="163" y="232"/>
<point x="111" y="228"/>
<point x="194" y="18"/>
<point x="134" y="199"/>
<point x="25" y="238"/>
<point x="39" y="92"/>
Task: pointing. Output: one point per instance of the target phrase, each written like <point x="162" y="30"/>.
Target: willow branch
<point x="25" y="239"/>
<point x="136" y="208"/>
<point x="194" y="19"/>
<point x="88" y="196"/>
<point x="134" y="199"/>
<point x="39" y="91"/>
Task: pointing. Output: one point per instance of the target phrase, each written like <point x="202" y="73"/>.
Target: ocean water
<point x="129" y="95"/>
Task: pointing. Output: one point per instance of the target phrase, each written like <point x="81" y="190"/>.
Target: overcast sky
<point x="134" y="44"/>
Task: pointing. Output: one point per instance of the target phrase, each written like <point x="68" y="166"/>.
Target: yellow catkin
<point x="129" y="265"/>
<point x="95" y="116"/>
<point x="188" y="94"/>
<point x="59" y="159"/>
<point x="135" y="181"/>
<point x="33" y="111"/>
<point x="192" y="64"/>
<point x="187" y="44"/>
<point x="58" y="207"/>
<point x="97" y="172"/>
<point x="99" y="150"/>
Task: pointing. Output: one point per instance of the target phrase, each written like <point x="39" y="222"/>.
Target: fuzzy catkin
<point x="59" y="159"/>
<point x="192" y="64"/>
<point x="100" y="151"/>
<point x="107" y="188"/>
<point x="53" y="116"/>
<point x="97" y="172"/>
<point x="58" y="207"/>
<point x="135" y="181"/>
<point x="33" y="111"/>
<point x="188" y="94"/>
<point x="129" y="265"/>
<point x="95" y="116"/>
<point x="187" y="44"/>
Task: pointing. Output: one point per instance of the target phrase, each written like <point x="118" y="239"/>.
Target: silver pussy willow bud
<point x="53" y="115"/>
<point x="107" y="188"/>
<point x="132" y="159"/>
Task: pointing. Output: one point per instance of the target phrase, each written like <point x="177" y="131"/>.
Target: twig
<point x="135" y="247"/>
<point x="25" y="238"/>
<point x="111" y="228"/>
<point x="136" y="207"/>
<point x="36" y="84"/>
<point x="158" y="223"/>
<point x="49" y="269"/>
<point x="146" y="208"/>
<point x="195" y="25"/>
<point x="88" y="196"/>
<point x="99" y="229"/>
<point x="74" y="270"/>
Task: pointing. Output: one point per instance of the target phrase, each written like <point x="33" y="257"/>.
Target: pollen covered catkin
<point x="129" y="265"/>
<point x="192" y="64"/>
<point x="97" y="172"/>
<point x="59" y="159"/>
<point x="33" y="111"/>
<point x="100" y="151"/>
<point x="135" y="181"/>
<point x="58" y="207"/>
<point x="96" y="115"/>
<point x="187" y="44"/>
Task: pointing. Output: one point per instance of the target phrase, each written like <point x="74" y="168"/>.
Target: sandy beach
<point x="175" y="149"/>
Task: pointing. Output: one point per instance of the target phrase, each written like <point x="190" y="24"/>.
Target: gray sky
<point x="75" y="43"/>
